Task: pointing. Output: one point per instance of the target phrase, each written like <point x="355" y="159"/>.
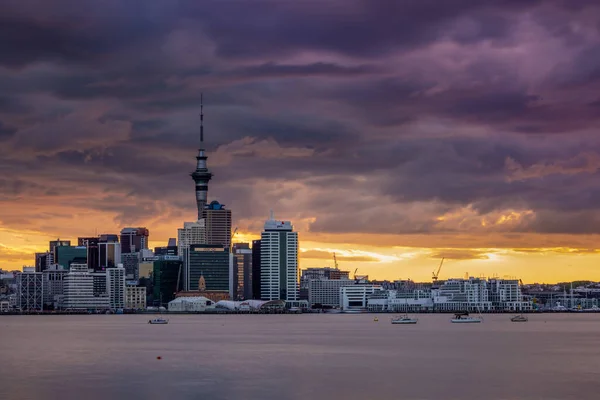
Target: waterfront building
<point x="115" y="286"/>
<point x="462" y="295"/>
<point x="79" y="290"/>
<point x="212" y="262"/>
<point x="326" y="292"/>
<point x="30" y="290"/>
<point x="505" y="295"/>
<point x="191" y="304"/>
<point x="135" y="297"/>
<point x="404" y="300"/>
<point x="255" y="277"/>
<point x="218" y="224"/>
<point x="191" y="233"/>
<point x="355" y="297"/>
<point x="279" y="261"/>
<point x="167" y="278"/>
<point x="243" y="270"/>
<point x="53" y="280"/>
<point x="66" y="255"/>
<point x="134" y="239"/>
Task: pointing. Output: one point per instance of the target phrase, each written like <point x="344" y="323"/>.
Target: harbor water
<point x="300" y="357"/>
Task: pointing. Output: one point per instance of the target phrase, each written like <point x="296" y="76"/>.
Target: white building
<point x="416" y="300"/>
<point x="191" y="304"/>
<point x="279" y="261"/>
<point x="115" y="286"/>
<point x="191" y="233"/>
<point x="135" y="297"/>
<point x="462" y="295"/>
<point x="79" y="290"/>
<point x="356" y="297"/>
<point x="30" y="290"/>
<point x="326" y="291"/>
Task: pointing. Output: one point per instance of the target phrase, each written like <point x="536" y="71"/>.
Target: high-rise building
<point x="53" y="278"/>
<point x="191" y="233"/>
<point x="255" y="270"/>
<point x="57" y="243"/>
<point x="115" y="286"/>
<point x="79" y="290"/>
<point x="131" y="263"/>
<point x="42" y="261"/>
<point x="218" y="224"/>
<point x="167" y="278"/>
<point x="211" y="262"/>
<point x="66" y="255"/>
<point x="243" y="270"/>
<point x="134" y="239"/>
<point x="93" y="251"/>
<point x="30" y="290"/>
<point x="201" y="175"/>
<point x="279" y="261"/>
<point x="110" y="251"/>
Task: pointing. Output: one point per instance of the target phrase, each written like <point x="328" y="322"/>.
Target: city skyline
<point x="468" y="133"/>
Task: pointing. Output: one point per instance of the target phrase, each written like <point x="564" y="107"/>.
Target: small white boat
<point x="464" y="318"/>
<point x="158" y="321"/>
<point x="519" y="318"/>
<point x="404" y="320"/>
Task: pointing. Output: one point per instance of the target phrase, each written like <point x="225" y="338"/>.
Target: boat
<point x="519" y="318"/>
<point x="158" y="321"/>
<point x="464" y="318"/>
<point x="404" y="320"/>
<point x="375" y="319"/>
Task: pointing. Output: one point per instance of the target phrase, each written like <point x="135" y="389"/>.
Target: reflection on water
<point x="298" y="357"/>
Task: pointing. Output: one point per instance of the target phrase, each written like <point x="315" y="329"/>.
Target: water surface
<point x="304" y="357"/>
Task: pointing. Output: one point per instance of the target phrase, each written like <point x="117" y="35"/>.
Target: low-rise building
<point x="191" y="304"/>
<point x="355" y="297"/>
<point x="326" y="292"/>
<point x="135" y="297"/>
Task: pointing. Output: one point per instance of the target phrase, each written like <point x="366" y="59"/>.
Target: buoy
<point x="159" y="358"/>
<point x="375" y="319"/>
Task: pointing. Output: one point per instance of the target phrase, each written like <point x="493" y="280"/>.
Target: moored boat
<point x="404" y="320"/>
<point x="464" y="318"/>
<point x="519" y="318"/>
<point x="158" y="321"/>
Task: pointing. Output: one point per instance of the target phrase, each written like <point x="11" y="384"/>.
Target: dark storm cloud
<point x="319" y="108"/>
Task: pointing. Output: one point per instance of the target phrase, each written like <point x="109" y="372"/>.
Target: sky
<point x="393" y="133"/>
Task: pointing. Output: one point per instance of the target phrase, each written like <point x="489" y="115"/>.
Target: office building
<point x="42" y="261"/>
<point x="218" y="224"/>
<point x="135" y="297"/>
<point x="242" y="271"/>
<point x="211" y="262"/>
<point x="115" y="285"/>
<point x="134" y="239"/>
<point x="54" y="244"/>
<point x="279" y="261"/>
<point x="356" y="297"/>
<point x="79" y="290"/>
<point x="255" y="270"/>
<point x="30" y="290"/>
<point x="66" y="255"/>
<point x="53" y="280"/>
<point x="131" y="263"/>
<point x="191" y="233"/>
<point x="93" y="251"/>
<point x="326" y="292"/>
<point x="167" y="277"/>
<point x="99" y="283"/>
<point x="110" y="251"/>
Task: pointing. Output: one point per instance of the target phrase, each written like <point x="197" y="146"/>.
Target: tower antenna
<point x="201" y="121"/>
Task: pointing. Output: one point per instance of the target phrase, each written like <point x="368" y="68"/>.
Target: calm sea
<point x="306" y="357"/>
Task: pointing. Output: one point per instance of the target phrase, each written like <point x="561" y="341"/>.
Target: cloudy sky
<point x="391" y="132"/>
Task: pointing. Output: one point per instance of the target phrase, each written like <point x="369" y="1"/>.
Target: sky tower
<point x="201" y="175"/>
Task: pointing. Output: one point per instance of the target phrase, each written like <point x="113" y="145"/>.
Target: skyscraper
<point x="255" y="294"/>
<point x="243" y="270"/>
<point x="201" y="175"/>
<point x="134" y="239"/>
<point x="218" y="224"/>
<point x="279" y="261"/>
<point x="93" y="252"/>
<point x="110" y="251"/>
<point x="191" y="233"/>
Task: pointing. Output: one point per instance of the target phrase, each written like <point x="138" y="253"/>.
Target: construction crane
<point x="355" y="273"/>
<point x="231" y="239"/>
<point x="335" y="264"/>
<point x="437" y="273"/>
